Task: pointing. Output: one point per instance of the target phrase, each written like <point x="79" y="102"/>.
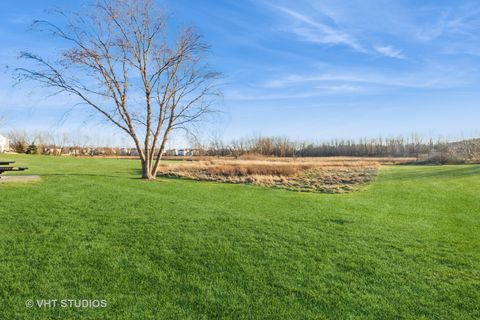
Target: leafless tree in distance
<point x="124" y="63"/>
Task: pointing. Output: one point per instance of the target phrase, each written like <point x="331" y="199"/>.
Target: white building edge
<point x="4" y="144"/>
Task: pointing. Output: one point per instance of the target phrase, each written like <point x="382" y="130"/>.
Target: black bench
<point x="9" y="168"/>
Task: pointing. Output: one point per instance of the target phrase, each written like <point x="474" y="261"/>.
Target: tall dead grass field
<point x="327" y="175"/>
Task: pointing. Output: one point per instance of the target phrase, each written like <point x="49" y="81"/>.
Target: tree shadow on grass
<point x="135" y="174"/>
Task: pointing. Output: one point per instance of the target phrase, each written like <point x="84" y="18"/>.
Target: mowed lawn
<point x="407" y="246"/>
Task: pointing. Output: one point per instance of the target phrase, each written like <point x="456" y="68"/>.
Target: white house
<point x="185" y="152"/>
<point x="124" y="152"/>
<point x="4" y="145"/>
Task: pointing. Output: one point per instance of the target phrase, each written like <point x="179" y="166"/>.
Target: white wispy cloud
<point x="341" y="83"/>
<point x="458" y="23"/>
<point x="389" y="51"/>
<point x="319" y="90"/>
<point x="424" y="79"/>
<point x="294" y="79"/>
<point x="314" y="31"/>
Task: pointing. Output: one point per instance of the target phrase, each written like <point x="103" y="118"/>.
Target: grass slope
<point x="405" y="247"/>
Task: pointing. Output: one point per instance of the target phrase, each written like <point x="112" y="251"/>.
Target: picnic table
<point x="4" y="168"/>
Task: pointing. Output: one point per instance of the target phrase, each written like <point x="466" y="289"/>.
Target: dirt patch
<point x="19" y="179"/>
<point x="318" y="176"/>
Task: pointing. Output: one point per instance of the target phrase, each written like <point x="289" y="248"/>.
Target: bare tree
<point x="18" y="140"/>
<point x="124" y="64"/>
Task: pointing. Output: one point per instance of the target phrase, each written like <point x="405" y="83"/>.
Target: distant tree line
<point x="64" y="144"/>
<point x="414" y="147"/>
<point x="56" y="144"/>
<point x="427" y="150"/>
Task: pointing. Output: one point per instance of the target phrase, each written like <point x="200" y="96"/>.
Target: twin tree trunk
<point x="150" y="162"/>
<point x="150" y="165"/>
<point x="147" y="172"/>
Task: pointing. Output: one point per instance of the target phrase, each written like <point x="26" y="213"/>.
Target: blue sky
<point x="305" y="69"/>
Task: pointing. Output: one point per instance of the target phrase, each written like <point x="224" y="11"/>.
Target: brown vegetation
<point x="329" y="175"/>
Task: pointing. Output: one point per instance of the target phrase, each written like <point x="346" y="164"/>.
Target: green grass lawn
<point x="407" y="246"/>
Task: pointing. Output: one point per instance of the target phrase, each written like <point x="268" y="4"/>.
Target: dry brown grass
<point x="306" y="174"/>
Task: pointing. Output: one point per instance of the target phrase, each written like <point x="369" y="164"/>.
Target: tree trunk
<point x="147" y="170"/>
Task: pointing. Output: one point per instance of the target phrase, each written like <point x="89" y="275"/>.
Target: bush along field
<point x="403" y="247"/>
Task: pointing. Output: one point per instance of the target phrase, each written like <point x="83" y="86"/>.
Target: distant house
<point x="4" y="144"/>
<point x="53" y="151"/>
<point x="187" y="152"/>
<point x="181" y="152"/>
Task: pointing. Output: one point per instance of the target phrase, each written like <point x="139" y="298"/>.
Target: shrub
<point x="32" y="149"/>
